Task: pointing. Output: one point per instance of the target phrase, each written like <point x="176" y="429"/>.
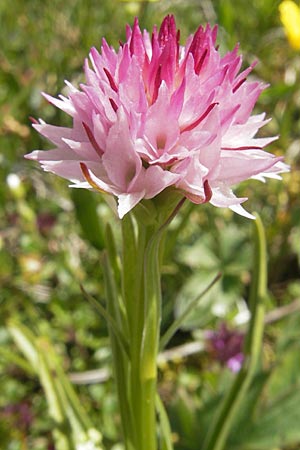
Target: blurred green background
<point x="47" y="248"/>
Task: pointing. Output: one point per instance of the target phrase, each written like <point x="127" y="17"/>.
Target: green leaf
<point x="25" y="340"/>
<point x="129" y="269"/>
<point x="221" y="426"/>
<point x="112" y="253"/>
<point x="69" y="418"/>
<point x="152" y="308"/>
<point x="86" y="212"/>
<point x="110" y="320"/>
<point x="180" y="320"/>
<point x="120" y="359"/>
<point x="12" y="358"/>
<point x="114" y="300"/>
<point x="186" y="422"/>
<point x="37" y="357"/>
<point x="277" y="427"/>
<point x="166" y="434"/>
<point x="248" y="409"/>
<point x="203" y="312"/>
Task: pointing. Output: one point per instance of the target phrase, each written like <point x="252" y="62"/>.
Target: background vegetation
<point x="47" y="248"/>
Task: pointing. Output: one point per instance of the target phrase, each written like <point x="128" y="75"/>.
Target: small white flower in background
<point x="118" y="447"/>
<point x="15" y="185"/>
<point x="243" y="315"/>
<point x="86" y="446"/>
<point x="90" y="440"/>
<point x="13" y="181"/>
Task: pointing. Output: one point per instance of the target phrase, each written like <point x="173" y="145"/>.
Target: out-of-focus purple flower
<point x="45" y="221"/>
<point x="19" y="413"/>
<point x="156" y="114"/>
<point x="226" y="346"/>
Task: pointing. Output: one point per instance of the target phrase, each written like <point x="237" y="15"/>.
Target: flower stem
<point x="134" y="312"/>
<point x="218" y="433"/>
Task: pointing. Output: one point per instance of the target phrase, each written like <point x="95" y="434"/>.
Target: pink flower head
<point x="156" y="114"/>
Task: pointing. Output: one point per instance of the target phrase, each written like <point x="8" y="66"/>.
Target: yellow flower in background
<point x="290" y="17"/>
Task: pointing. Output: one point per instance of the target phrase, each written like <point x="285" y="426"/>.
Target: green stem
<point x="137" y="316"/>
<point x="141" y="310"/>
<point x="218" y="433"/>
<point x="150" y="342"/>
<point x="138" y="294"/>
<point x="151" y="332"/>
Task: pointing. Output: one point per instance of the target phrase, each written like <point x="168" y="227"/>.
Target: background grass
<point x="45" y="251"/>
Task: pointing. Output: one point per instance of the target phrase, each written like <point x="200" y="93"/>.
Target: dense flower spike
<point x="156" y="114"/>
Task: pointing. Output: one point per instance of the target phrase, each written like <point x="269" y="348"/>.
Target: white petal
<point x="126" y="202"/>
<point x="241" y="211"/>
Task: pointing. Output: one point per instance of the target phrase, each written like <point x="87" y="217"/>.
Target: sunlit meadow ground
<point x="45" y="251"/>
